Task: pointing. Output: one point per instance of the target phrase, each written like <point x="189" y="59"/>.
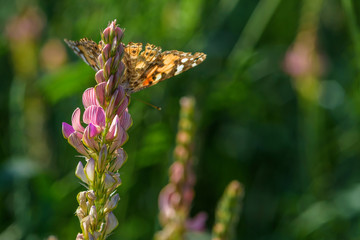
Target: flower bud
<point x="117" y="59"/>
<point x="125" y="120"/>
<point x="119" y="140"/>
<point x="188" y="195"/>
<point x="100" y="93"/>
<point x="80" y="213"/>
<point x="109" y="181"/>
<point x="111" y="223"/>
<point x="114" y="45"/>
<point x="105" y="36"/>
<point x="120" y="96"/>
<point x="183" y="137"/>
<point x="109" y="89"/>
<point x="79" y="172"/>
<point x="85" y="226"/>
<point x="117" y="100"/>
<point x="81" y="198"/>
<point x="112" y="27"/>
<point x="96" y="235"/>
<point x="112" y="203"/>
<point x="101" y="61"/>
<point x="107" y="68"/>
<point x="181" y="153"/>
<point x="106" y="51"/>
<point x="111" y="109"/>
<point x="93" y="215"/>
<point x="91" y="237"/>
<point x="120" y="49"/>
<point x="77" y="144"/>
<point x="119" y="33"/>
<point x="124" y="104"/>
<point x="99" y="76"/>
<point x="117" y="183"/>
<point x="90" y="170"/>
<point x="80" y="236"/>
<point x="177" y="172"/>
<point x="102" y="158"/>
<point x="90" y="194"/>
<point x="121" y="158"/>
<point x="119" y="73"/>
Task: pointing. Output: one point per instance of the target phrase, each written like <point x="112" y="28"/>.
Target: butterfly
<point x="143" y="68"/>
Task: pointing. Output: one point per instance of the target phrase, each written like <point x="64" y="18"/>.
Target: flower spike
<point x="107" y="119"/>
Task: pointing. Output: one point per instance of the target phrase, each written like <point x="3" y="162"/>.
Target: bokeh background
<point x="278" y="108"/>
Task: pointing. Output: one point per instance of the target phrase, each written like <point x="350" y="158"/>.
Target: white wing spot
<point x="194" y="65"/>
<point x="158" y="77"/>
<point x="83" y="58"/>
<point x="179" y="69"/>
<point x="184" y="60"/>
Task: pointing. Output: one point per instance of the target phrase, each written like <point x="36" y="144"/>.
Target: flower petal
<point x="114" y="128"/>
<point x="79" y="172"/>
<point x="90" y="170"/>
<point x="75" y="121"/>
<point x="67" y="130"/>
<point x="94" y="115"/>
<point x="93" y="130"/>
<point x="89" y="98"/>
<point x="197" y="223"/>
<point x="89" y="141"/>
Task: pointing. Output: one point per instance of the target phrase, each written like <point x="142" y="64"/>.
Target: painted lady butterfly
<point x="142" y="68"/>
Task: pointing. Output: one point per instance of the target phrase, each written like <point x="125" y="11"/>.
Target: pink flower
<point x="197" y="223"/>
<point x="106" y="120"/>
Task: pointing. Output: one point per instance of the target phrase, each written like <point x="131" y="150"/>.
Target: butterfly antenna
<point x="149" y="104"/>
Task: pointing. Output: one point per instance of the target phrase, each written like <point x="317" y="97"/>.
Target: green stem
<point x="355" y="36"/>
<point x="253" y="31"/>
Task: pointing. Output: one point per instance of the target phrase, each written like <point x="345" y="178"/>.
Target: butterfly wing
<point x="137" y="62"/>
<point x="166" y="65"/>
<point x="142" y="68"/>
<point x="87" y="49"/>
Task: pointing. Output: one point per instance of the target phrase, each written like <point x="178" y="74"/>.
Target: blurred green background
<point x="278" y="108"/>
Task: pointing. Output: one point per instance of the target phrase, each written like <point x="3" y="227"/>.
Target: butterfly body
<point x="143" y="68"/>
